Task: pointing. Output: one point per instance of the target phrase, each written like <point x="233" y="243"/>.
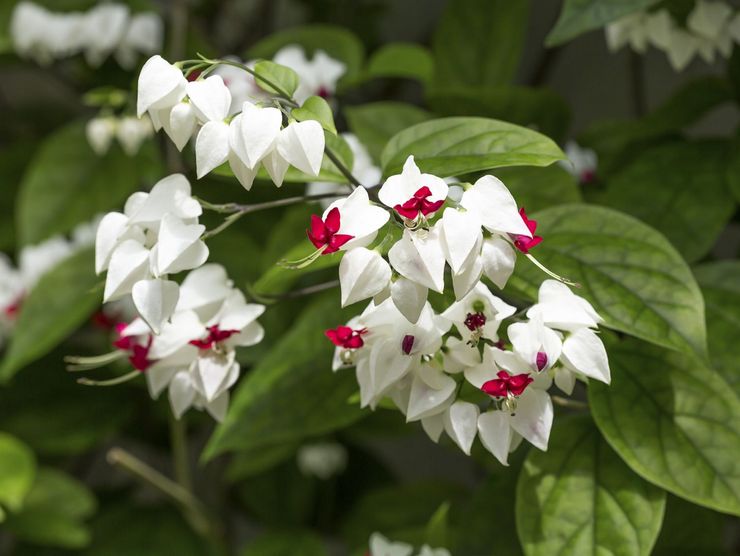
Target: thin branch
<point x="353" y="181"/>
<point x="567" y="402"/>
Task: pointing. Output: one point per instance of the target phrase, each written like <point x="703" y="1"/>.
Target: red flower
<point x="324" y="232"/>
<point x="139" y="357"/>
<point x="419" y="204"/>
<point x="507" y="384"/>
<point x="214" y="336"/>
<point x="474" y="321"/>
<point x="524" y="243"/>
<point x="344" y="336"/>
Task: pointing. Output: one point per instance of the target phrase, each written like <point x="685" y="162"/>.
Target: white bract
<point x="106" y="28"/>
<point x="381" y="546"/>
<point x="130" y="132"/>
<point x="318" y="76"/>
<point x="156" y="235"/>
<point x="322" y="460"/>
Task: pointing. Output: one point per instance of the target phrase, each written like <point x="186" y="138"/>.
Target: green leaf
<point x="337" y="42"/>
<point x="400" y="59"/>
<point x="291" y="393"/>
<point x="288" y="543"/>
<point x="454" y="146"/>
<point x="66" y="183"/>
<point x="720" y="284"/>
<point x="17" y="472"/>
<point x="580" y="498"/>
<point x="57" y="305"/>
<point x="579" y="16"/>
<point x="479" y="42"/>
<point x="375" y="123"/>
<point x="253" y="462"/>
<point x="437" y="531"/>
<point x="541" y="109"/>
<point x="539" y="188"/>
<point x="673" y="421"/>
<point x="275" y="78"/>
<point x="690" y="529"/>
<point x="316" y="108"/>
<point x="54" y="512"/>
<point x="633" y="277"/>
<point x="680" y="189"/>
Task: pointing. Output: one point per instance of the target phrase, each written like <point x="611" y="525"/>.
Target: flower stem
<point x="353" y="181"/>
<point x="179" y="442"/>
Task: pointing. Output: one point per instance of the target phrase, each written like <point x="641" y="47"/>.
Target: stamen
<point x="95" y="362"/>
<point x="112" y="382"/>
<point x="304" y="262"/>
<point x="550" y="273"/>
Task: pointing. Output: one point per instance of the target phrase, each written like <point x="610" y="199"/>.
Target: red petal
<point x="332" y="221"/>
<point x="423" y="193"/>
<point x="518" y="383"/>
<point x="495" y="387"/>
<point x="333" y="335"/>
<point x="318" y="229"/>
<point x="354" y="342"/>
<point x="409" y="213"/>
<point x="429" y="207"/>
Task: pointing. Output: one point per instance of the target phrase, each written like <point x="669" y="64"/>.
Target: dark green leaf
<point x="291" y="393"/>
<point x="59" y="303"/>
<point x="437" y="531"/>
<point x="337" y="42"/>
<point x="579" y="16"/>
<point x="275" y="78"/>
<point x="67" y="184"/>
<point x="316" y="108"/>
<point x="580" y="498"/>
<point x="720" y="284"/>
<point x="401" y="60"/>
<point x="539" y="188"/>
<point x="680" y="190"/>
<point x="17" y="473"/>
<point x="54" y="511"/>
<point x="630" y="273"/>
<point x="253" y="462"/>
<point x="479" y="42"/>
<point x="376" y="122"/>
<point x="733" y="169"/>
<point x="541" y="109"/>
<point x="673" y="421"/>
<point x="453" y="146"/>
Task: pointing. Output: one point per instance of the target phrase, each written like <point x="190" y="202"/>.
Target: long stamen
<point x="550" y="273"/>
<point x="304" y="262"/>
<point x="112" y="382"/>
<point x="95" y="362"/>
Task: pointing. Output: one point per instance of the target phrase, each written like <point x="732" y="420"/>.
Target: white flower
<point x="322" y="460"/>
<point x="132" y="132"/>
<point x="161" y="86"/>
<point x="241" y="84"/>
<point x="100" y="133"/>
<point x="104" y="28"/>
<point x="710" y="24"/>
<point x="581" y="162"/>
<point x="363" y="273"/>
<point x="318" y="76"/>
<point x="381" y="546"/>
<point x="630" y="30"/>
<point x="413" y="194"/>
<point x="478" y="315"/>
<point x="210" y="100"/>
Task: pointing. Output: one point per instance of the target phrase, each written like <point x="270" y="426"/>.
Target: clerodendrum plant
<point x="438" y="356"/>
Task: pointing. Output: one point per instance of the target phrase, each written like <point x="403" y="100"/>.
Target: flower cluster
<point x="711" y="27"/>
<point x="157" y="234"/>
<point x="193" y="356"/>
<point x="105" y="29"/>
<point x="130" y="132"/>
<point x="381" y="546"/>
<point x="404" y="350"/>
<point x="253" y="138"/>
<point x="33" y="262"/>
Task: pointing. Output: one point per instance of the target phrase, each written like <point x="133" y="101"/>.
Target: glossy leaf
<point x="453" y="146"/>
<point x="633" y="277"/>
<point x="291" y="393"/>
<point x="66" y="183"/>
<point x="275" y="78"/>
<point x="541" y="109"/>
<point x="17" y="472"/>
<point x="579" y="16"/>
<point x="580" y="498"/>
<point x="316" y="108"/>
<point x="673" y="421"/>
<point x="57" y="305"/>
<point x="479" y="42"/>
<point x="401" y="60"/>
<point x="720" y="284"/>
<point x="680" y="190"/>
<point x="375" y="123"/>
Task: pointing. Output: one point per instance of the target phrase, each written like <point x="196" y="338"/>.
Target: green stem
<point x="353" y="181"/>
<point x="571" y="404"/>
<point x="180" y="456"/>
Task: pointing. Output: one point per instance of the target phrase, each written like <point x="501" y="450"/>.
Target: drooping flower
<point x="318" y="76"/>
<point x="413" y="194"/>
